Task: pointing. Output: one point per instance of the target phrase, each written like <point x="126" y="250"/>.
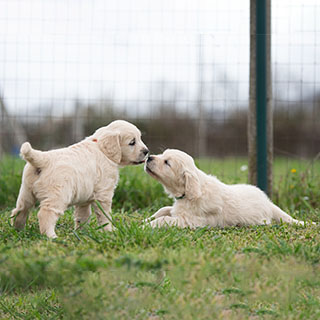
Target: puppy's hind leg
<point x="48" y="218"/>
<point x="81" y="215"/>
<point x="25" y="201"/>
<point x="280" y="215"/>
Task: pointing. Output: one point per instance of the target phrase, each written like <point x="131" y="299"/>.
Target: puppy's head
<point x="176" y="171"/>
<point x="121" y="142"/>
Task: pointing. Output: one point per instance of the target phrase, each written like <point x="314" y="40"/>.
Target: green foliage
<point x="137" y="190"/>
<point x="299" y="191"/>
<point x="10" y="180"/>
<point x="135" y="272"/>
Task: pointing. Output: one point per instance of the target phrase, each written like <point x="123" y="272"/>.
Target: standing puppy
<point x="77" y="175"/>
<point x="203" y="200"/>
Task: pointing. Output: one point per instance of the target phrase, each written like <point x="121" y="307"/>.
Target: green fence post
<point x="261" y="95"/>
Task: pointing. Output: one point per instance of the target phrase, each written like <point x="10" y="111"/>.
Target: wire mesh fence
<point x="296" y="77"/>
<point x="178" y="69"/>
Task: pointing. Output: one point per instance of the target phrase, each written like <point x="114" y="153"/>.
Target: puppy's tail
<point x="36" y="158"/>
<point x="281" y="216"/>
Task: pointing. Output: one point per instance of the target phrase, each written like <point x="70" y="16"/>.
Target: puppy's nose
<point x="150" y="159"/>
<point x="145" y="151"/>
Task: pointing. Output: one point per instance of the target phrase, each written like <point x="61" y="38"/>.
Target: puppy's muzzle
<point x="144" y="153"/>
<point x="149" y="166"/>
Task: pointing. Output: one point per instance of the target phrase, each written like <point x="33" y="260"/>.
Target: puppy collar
<point x="181" y="197"/>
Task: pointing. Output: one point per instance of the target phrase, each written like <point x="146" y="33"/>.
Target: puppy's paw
<point x="109" y="227"/>
<point x="148" y="220"/>
<point x="158" y="223"/>
<point x="164" y="222"/>
<point x="18" y="220"/>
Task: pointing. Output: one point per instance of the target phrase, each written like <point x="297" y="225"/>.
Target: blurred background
<point x="178" y="69"/>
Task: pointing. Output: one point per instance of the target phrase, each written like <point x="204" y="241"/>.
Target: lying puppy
<point x="77" y="175"/>
<point x="203" y="200"/>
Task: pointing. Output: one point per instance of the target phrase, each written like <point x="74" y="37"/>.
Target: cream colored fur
<point x="77" y="175"/>
<point x="203" y="200"/>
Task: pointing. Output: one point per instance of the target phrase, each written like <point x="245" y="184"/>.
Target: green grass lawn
<point x="264" y="272"/>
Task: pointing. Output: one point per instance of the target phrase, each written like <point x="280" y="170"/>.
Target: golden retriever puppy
<point x="77" y="175"/>
<point x="202" y="200"/>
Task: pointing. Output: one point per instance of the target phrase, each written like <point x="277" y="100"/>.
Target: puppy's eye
<point x="132" y="142"/>
<point x="167" y="162"/>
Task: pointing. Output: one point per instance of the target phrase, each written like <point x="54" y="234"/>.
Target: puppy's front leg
<point x="165" y="211"/>
<point x="81" y="215"/>
<point x="25" y="201"/>
<point x="104" y="218"/>
<point x="167" y="221"/>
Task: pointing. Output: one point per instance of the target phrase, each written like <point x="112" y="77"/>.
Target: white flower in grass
<point x="244" y="168"/>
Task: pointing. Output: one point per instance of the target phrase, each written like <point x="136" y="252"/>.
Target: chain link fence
<point x="177" y="69"/>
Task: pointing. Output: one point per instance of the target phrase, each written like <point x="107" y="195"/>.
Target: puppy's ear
<point x="192" y="185"/>
<point x="109" y="144"/>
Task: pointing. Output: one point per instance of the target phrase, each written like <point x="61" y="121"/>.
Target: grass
<point x="264" y="272"/>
